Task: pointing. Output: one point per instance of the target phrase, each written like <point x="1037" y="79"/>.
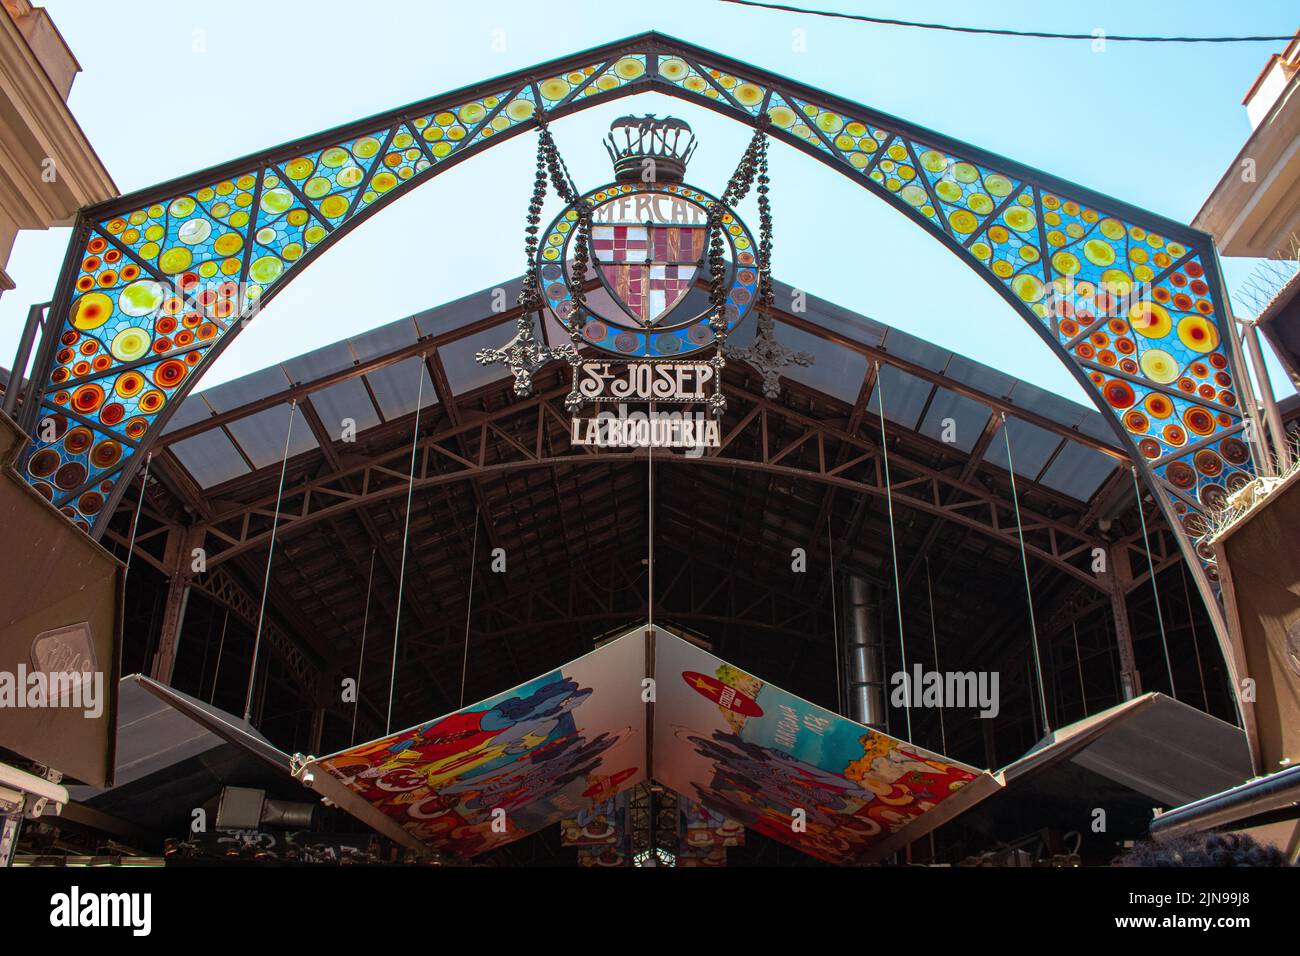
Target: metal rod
<point x="893" y="549"/>
<point x="361" y="659"/>
<point x="406" y="531"/>
<point x="266" y="579"/>
<point x="1155" y="591"/>
<point x="1024" y="561"/>
<point x="469" y="607"/>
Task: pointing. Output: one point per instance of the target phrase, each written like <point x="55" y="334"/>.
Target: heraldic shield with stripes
<point x="649" y="238"/>
<point x="649" y="267"/>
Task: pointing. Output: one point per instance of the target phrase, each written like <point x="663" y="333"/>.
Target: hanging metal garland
<point x="765" y="353"/>
<point x="524" y="354"/>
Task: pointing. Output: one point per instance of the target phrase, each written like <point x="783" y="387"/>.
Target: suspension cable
<point x="266" y="578"/>
<point x="221" y="646"/>
<point x="835" y="615"/>
<point x="406" y="531"/>
<point x="1083" y="694"/>
<point x="934" y="638"/>
<point x="893" y="549"/>
<point x="135" y="523"/>
<point x="361" y="659"/>
<point x="469" y="607"/>
<point x="1155" y="591"/>
<point x="1191" y="619"/>
<point x="1024" y="561"/>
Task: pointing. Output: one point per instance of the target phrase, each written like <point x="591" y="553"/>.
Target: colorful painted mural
<point x="701" y="828"/>
<point x="599" y="833"/>
<point x="598" y="825"/>
<point x="564" y="747"/>
<point x="703" y="836"/>
<point x="557" y="746"/>
<point x="756" y="754"/>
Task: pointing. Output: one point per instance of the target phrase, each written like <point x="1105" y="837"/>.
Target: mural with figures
<point x="756" y="754"/>
<point x="566" y="746"/>
<point x="560" y="745"/>
<point x="703" y="836"/>
<point x="599" y="833"/>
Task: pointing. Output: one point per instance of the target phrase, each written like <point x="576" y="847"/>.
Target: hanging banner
<point x="561" y="747"/>
<point x="791" y="770"/>
<point x="498" y="770"/>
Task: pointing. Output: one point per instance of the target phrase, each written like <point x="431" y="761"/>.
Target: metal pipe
<point x="1272" y="417"/>
<point x="35" y="318"/>
<point x="866" y="653"/>
<point x="1280" y="791"/>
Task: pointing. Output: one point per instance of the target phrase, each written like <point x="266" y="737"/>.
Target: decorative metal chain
<point x="523" y="354"/>
<point x="549" y="154"/>
<point x="765" y="353"/>
<point x="752" y="168"/>
<point x="530" y="296"/>
<point x="766" y="294"/>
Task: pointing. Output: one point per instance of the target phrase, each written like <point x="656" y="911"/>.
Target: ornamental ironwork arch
<point x="155" y="284"/>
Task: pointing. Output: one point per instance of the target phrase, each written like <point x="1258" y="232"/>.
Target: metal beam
<point x="917" y="485"/>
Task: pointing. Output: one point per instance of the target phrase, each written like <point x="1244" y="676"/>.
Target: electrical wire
<point x="997" y="31"/>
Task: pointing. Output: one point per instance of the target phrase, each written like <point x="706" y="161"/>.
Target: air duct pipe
<point x="866" y="653"/>
<point x="283" y="813"/>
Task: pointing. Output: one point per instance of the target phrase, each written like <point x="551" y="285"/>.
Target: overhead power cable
<point x="995" y="31"/>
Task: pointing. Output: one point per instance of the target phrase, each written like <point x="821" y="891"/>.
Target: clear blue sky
<point x="170" y="87"/>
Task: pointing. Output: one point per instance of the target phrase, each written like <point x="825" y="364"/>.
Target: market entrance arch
<point x="155" y="284"/>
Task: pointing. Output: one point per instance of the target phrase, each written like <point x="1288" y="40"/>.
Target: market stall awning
<point x="173" y="752"/>
<point x="1151" y="751"/>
